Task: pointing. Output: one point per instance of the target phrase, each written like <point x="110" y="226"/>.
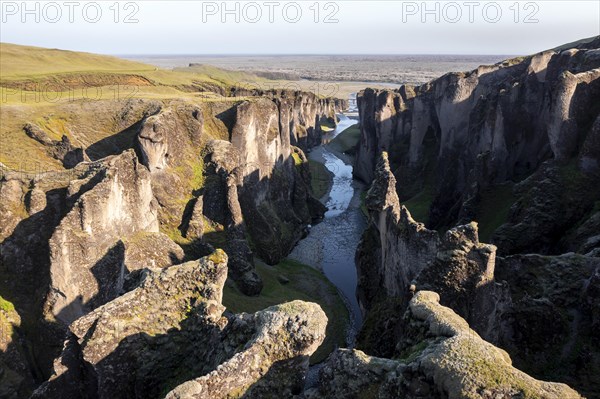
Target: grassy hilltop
<point x="83" y="96"/>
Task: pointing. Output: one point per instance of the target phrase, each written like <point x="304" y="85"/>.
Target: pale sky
<point x="356" y="26"/>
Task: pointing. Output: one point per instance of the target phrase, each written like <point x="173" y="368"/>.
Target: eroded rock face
<point x="301" y="113"/>
<point x="394" y="248"/>
<point x="530" y="305"/>
<point x="273" y="363"/>
<point x="458" y="137"/>
<point x="221" y="206"/>
<point x="274" y="194"/>
<point x="169" y="334"/>
<point x="397" y="255"/>
<point x="441" y="358"/>
<point x="246" y="186"/>
<point x="16" y="380"/>
<point x="553" y="318"/>
<point x="86" y="249"/>
<point x="161" y="134"/>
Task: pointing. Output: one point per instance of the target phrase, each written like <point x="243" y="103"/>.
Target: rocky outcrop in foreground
<point x="168" y="337"/>
<point x="441" y="357"/>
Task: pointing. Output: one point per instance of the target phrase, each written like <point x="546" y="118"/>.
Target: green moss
<point x="419" y="204"/>
<point x="306" y="284"/>
<point x="327" y="125"/>
<point x="385" y="312"/>
<point x="198" y="174"/>
<point x="363" y="205"/>
<point x="218" y="256"/>
<point x="487" y="371"/>
<point x="409" y="355"/>
<point x="418" y="190"/>
<point x="297" y="159"/>
<point x="6" y="305"/>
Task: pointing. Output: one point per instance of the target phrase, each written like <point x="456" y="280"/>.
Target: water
<point x="342" y="189"/>
<point x="331" y="244"/>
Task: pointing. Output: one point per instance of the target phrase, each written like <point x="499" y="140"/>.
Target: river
<point x="330" y="246"/>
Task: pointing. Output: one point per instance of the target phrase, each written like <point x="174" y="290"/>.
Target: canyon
<point x="511" y="146"/>
<point x="471" y="227"/>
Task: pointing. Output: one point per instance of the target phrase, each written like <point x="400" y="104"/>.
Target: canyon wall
<point x="494" y="136"/>
<point x="542" y="309"/>
<point x="254" y="187"/>
<point x="300" y="113"/>
<point x="180" y="179"/>
<point x="509" y="152"/>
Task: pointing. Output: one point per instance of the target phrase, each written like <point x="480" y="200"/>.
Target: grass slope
<point x="493" y="209"/>
<point x="321" y="179"/>
<point x="26" y="61"/>
<point x="84" y="96"/>
<point x="347" y="140"/>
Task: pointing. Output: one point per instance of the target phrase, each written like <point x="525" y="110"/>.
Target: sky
<point x="301" y="27"/>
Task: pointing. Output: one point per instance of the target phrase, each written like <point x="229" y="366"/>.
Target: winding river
<point x="330" y="246"/>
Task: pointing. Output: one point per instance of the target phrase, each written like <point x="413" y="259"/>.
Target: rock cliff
<point x="73" y="237"/>
<point x="168" y="337"/>
<point x="300" y="113"/>
<point x="495" y="137"/>
<point x="178" y="179"/>
<point x="541" y="309"/>
<point x="87" y="252"/>
<point x="441" y="357"/>
<point x="235" y="174"/>
<point x="398" y="255"/>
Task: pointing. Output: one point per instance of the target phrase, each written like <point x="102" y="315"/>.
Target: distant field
<point x="391" y="69"/>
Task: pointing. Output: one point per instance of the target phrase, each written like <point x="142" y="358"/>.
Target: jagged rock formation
<point x="15" y="377"/>
<point x="274" y="196"/>
<point x="394" y="248"/>
<point x="87" y="250"/>
<point x="398" y="255"/>
<point x="454" y="141"/>
<point x="510" y="301"/>
<point x="73" y="237"/>
<point x="79" y="238"/>
<point x="300" y="113"/>
<point x="220" y="201"/>
<point x="441" y="357"/>
<point x="553" y="317"/>
<point x="168" y="336"/>
<point x="62" y="150"/>
<point x="31" y="207"/>
<point x="249" y="187"/>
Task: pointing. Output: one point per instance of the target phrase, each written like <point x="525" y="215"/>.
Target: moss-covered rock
<point x="446" y="359"/>
<point x="169" y="333"/>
